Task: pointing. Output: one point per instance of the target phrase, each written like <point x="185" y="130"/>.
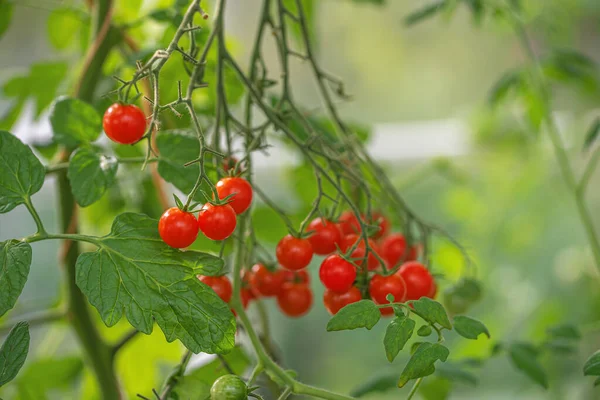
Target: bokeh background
<point x="483" y="173"/>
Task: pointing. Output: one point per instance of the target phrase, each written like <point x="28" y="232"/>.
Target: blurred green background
<point x="499" y="192"/>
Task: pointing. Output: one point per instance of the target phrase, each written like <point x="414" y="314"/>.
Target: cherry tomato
<point x="220" y="284"/>
<point x="229" y="387"/>
<point x="296" y="276"/>
<point x="380" y="286"/>
<point x="217" y="222"/>
<point x="325" y="237"/>
<point x="246" y="295"/>
<point x="177" y="228"/>
<point x="337" y="274"/>
<point x="348" y="223"/>
<point x="295" y="299"/>
<point x="124" y="123"/>
<point x="294" y="253"/>
<point x="384" y="225"/>
<point x="265" y="282"/>
<point x="229" y="164"/>
<point x="393" y="248"/>
<point x="335" y="301"/>
<point x="241" y="191"/>
<point x="358" y="254"/>
<point x="419" y="281"/>
<point x="413" y="253"/>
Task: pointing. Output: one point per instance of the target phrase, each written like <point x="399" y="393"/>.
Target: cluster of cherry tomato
<point x="341" y="242"/>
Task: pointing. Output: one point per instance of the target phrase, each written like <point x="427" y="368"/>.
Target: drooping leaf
<point x="425" y="331"/>
<point x="134" y="272"/>
<point x="61" y="26"/>
<point x="21" y="173"/>
<point x="90" y="174"/>
<point x="469" y="328"/>
<point x="525" y="358"/>
<point x="48" y="374"/>
<point x="422" y="362"/>
<point x="196" y="385"/>
<point x="396" y="335"/>
<point x="592" y="134"/>
<point x="432" y="311"/>
<point x="14" y="352"/>
<point x="380" y="382"/>
<point x="592" y="365"/>
<point x="424" y="13"/>
<point x="15" y="261"/>
<point x="362" y="314"/>
<point x="6" y="8"/>
<point x="74" y="121"/>
<point x="509" y="82"/>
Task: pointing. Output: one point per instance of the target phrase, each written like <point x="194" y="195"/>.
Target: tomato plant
<point x="190" y="115"/>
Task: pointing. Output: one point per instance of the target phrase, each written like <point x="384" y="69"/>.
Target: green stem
<point x="96" y="351"/>
<point x="36" y="217"/>
<point x="414" y="389"/>
<point x="559" y="149"/>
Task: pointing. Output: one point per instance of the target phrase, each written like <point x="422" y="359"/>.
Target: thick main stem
<point x="97" y="352"/>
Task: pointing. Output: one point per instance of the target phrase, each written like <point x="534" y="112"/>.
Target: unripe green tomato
<point x="229" y="387"/>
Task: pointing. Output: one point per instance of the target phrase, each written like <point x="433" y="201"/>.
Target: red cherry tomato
<point x="393" y="248"/>
<point x="295" y="299"/>
<point x="358" y="254"/>
<point x="325" y="237"/>
<point x="380" y="286"/>
<point x="384" y="225"/>
<point x="246" y="295"/>
<point x="348" y="223"/>
<point x="335" y="301"/>
<point x="294" y="253"/>
<point x="296" y="276"/>
<point x="229" y="164"/>
<point x="217" y="222"/>
<point x="220" y="284"/>
<point x="241" y="191"/>
<point x="413" y="253"/>
<point x="177" y="228"/>
<point x="419" y="281"/>
<point x="124" y="123"/>
<point x="265" y="282"/>
<point x="337" y="274"/>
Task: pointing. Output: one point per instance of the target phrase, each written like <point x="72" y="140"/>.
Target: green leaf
<point x="454" y="372"/>
<point x="432" y="311"/>
<point x="21" y="173"/>
<point x="469" y="328"/>
<point x="592" y="134"/>
<point x="15" y="261"/>
<point x="48" y="374"/>
<point x="422" y="362"/>
<point x="508" y="83"/>
<point x="74" y="121"/>
<point x="435" y="388"/>
<point x="309" y="8"/>
<point x="136" y="273"/>
<point x="90" y="174"/>
<point x="380" y="382"/>
<point x="524" y="358"/>
<point x="176" y="148"/>
<point x="592" y="365"/>
<point x="424" y="13"/>
<point x="61" y="25"/>
<point x="396" y="335"/>
<point x="424" y="331"/>
<point x="14" y="352"/>
<point x="196" y="385"/>
<point x="564" y="331"/>
<point x="362" y="314"/>
<point x="6" y="12"/>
